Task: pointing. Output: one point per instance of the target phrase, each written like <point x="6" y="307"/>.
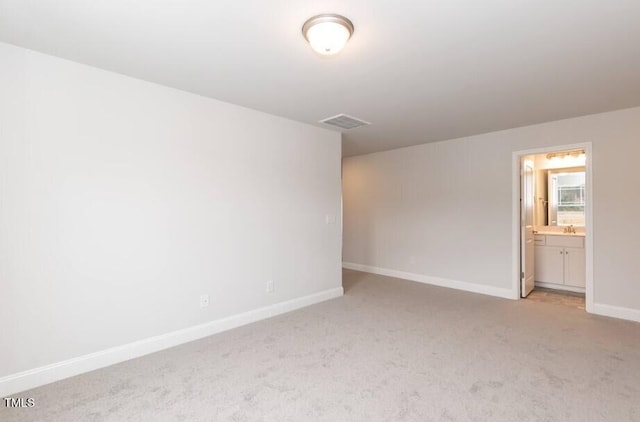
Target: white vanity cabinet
<point x="574" y="267"/>
<point x="560" y="261"/>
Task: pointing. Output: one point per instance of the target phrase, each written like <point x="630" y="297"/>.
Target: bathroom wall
<point x="542" y="165"/>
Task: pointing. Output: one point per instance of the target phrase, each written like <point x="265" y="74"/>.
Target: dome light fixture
<point x="327" y="34"/>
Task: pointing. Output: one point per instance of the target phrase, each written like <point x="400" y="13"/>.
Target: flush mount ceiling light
<point x="327" y="34"/>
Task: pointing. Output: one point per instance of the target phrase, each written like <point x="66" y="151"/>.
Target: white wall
<point x="122" y="201"/>
<point x="448" y="205"/>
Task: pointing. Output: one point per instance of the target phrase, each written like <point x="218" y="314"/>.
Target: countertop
<point x="552" y="233"/>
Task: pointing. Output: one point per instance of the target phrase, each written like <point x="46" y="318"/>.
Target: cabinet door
<point x="574" y="267"/>
<point x="550" y="264"/>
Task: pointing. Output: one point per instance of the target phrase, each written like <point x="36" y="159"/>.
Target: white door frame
<point x="588" y="208"/>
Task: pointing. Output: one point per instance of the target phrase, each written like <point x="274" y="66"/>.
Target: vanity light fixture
<point x="574" y="153"/>
<point x="327" y="34"/>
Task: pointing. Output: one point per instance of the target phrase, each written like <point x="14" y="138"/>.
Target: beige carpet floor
<point x="389" y="350"/>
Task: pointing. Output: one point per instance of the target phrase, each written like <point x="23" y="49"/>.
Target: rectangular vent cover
<point x="344" y="121"/>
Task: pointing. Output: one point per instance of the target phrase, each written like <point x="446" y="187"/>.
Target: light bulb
<point x="328" y="37"/>
<point x="327" y="34"/>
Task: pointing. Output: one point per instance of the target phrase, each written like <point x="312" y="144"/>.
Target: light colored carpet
<point x="389" y="350"/>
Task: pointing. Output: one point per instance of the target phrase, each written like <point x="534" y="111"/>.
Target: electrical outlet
<point x="270" y="286"/>
<point x="330" y="219"/>
<point x="204" y="301"/>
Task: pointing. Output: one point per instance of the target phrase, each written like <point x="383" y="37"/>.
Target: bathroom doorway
<point x="552" y="224"/>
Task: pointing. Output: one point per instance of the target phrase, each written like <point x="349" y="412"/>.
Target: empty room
<point x="319" y="210"/>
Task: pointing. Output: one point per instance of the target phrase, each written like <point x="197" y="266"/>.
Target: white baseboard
<point x="436" y="281"/>
<point x="32" y="378"/>
<point x="617" y="312"/>
<point x="598" y="309"/>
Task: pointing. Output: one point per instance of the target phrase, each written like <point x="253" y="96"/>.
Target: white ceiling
<point x="420" y="71"/>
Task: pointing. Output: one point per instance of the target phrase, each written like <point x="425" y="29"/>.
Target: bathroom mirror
<point x="566" y="196"/>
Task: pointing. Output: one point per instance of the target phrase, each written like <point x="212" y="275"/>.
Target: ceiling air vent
<point x="344" y="122"/>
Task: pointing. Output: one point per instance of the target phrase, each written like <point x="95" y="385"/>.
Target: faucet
<point x="569" y="229"/>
